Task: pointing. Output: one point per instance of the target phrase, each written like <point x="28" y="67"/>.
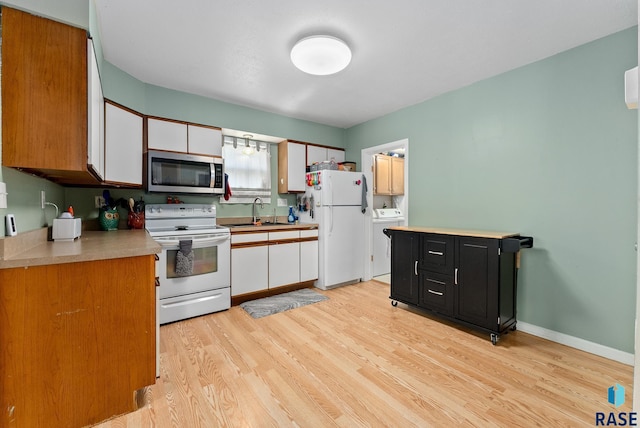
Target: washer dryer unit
<point x="382" y="218"/>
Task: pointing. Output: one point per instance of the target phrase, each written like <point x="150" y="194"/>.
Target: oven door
<point x="211" y="264"/>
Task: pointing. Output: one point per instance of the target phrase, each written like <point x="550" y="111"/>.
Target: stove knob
<point x="159" y="210"/>
<point x="152" y="210"/>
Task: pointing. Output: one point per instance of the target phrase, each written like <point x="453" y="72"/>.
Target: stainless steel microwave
<point x="171" y="172"/>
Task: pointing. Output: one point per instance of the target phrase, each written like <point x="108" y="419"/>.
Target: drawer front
<point x="279" y="236"/>
<point x="436" y="292"/>
<point x="249" y="237"/>
<point x="437" y="252"/>
<point x="312" y="233"/>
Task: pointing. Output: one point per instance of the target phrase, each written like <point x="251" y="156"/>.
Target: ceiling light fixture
<point x="321" y="55"/>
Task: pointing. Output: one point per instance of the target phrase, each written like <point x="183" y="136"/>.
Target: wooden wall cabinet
<point x="45" y="98"/>
<point x="388" y="174"/>
<point x="291" y="167"/>
<point x="75" y="341"/>
<point x="467" y="279"/>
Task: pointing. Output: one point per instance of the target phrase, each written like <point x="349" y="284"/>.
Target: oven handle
<point x="196" y="241"/>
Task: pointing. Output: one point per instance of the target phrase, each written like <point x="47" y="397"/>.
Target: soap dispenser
<point x="291" y="217"/>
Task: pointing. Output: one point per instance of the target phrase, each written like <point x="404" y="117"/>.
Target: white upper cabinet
<point x="205" y="140"/>
<point x="321" y="154"/>
<point x="291" y="167"/>
<point x="336" y="154"/>
<point x="95" y="152"/>
<point x="167" y="135"/>
<point x="123" y="163"/>
<point x="316" y="154"/>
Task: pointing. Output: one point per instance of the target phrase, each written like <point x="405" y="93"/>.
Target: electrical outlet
<point x="43" y="199"/>
<point x="282" y="202"/>
<point x="99" y="202"/>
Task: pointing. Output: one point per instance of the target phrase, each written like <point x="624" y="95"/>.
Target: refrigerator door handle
<point x="330" y="219"/>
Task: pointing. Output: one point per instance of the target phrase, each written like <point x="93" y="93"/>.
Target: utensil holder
<point x="135" y="220"/>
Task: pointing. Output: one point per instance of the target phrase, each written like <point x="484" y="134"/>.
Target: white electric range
<point x="205" y="285"/>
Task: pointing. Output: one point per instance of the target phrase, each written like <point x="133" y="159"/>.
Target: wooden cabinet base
<point x="77" y="340"/>
<point x="236" y="300"/>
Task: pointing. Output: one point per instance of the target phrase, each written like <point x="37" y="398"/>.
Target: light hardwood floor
<point x="354" y="360"/>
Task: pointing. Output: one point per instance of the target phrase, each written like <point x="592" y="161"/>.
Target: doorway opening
<point x="373" y="228"/>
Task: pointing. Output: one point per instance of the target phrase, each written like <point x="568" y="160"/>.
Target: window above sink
<point x="247" y="163"/>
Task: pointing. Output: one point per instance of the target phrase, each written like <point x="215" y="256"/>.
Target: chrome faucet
<point x="255" y="218"/>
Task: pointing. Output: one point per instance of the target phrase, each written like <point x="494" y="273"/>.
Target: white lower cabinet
<point x="308" y="255"/>
<point x="249" y="264"/>
<point x="284" y="256"/>
<point x="261" y="261"/>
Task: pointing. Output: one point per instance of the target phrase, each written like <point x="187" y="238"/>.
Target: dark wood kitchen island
<point x="77" y="327"/>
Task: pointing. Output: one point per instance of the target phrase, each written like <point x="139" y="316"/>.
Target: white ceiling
<point x="404" y="51"/>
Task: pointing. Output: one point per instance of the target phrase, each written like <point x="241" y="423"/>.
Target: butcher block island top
<point x="78" y="327"/>
<point x="35" y="250"/>
<point x="457" y="232"/>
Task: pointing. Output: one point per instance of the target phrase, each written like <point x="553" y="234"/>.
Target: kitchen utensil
<point x="106" y="195"/>
<point x="131" y="204"/>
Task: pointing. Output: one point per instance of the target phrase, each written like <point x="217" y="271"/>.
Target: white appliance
<point x="184" y="173"/>
<point x="631" y="88"/>
<point x="337" y="208"/>
<point x="66" y="228"/>
<point x="204" y="287"/>
<point x="383" y="218"/>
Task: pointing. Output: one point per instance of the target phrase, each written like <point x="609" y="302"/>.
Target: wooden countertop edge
<point x="91" y="246"/>
<point x="277" y="228"/>
<point x="457" y="232"/>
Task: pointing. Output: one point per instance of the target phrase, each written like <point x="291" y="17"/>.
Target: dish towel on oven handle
<point x="184" y="258"/>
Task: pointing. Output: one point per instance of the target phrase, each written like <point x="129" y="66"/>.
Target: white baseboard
<point x="575" y="342"/>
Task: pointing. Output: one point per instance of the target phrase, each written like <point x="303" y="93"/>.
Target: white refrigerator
<point x="338" y="209"/>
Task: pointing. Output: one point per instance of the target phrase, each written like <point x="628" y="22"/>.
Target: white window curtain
<point x="248" y="166"/>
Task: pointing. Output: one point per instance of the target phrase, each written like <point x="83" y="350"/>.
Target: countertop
<point x="34" y="250"/>
<point x="269" y="227"/>
<point x="457" y="232"/>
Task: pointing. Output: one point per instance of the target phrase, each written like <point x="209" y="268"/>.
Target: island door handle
<point x="438" y="293"/>
<point x="436" y="253"/>
<point x="415" y="268"/>
<point x="455" y="281"/>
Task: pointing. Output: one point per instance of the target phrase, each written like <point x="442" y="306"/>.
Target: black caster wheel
<point x="513" y="327"/>
<point x="394" y="303"/>
<point x="494" y="339"/>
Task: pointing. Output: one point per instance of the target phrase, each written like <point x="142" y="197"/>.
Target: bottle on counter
<point x="291" y="218"/>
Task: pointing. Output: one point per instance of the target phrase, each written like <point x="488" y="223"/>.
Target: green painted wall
<point x="547" y="150"/>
